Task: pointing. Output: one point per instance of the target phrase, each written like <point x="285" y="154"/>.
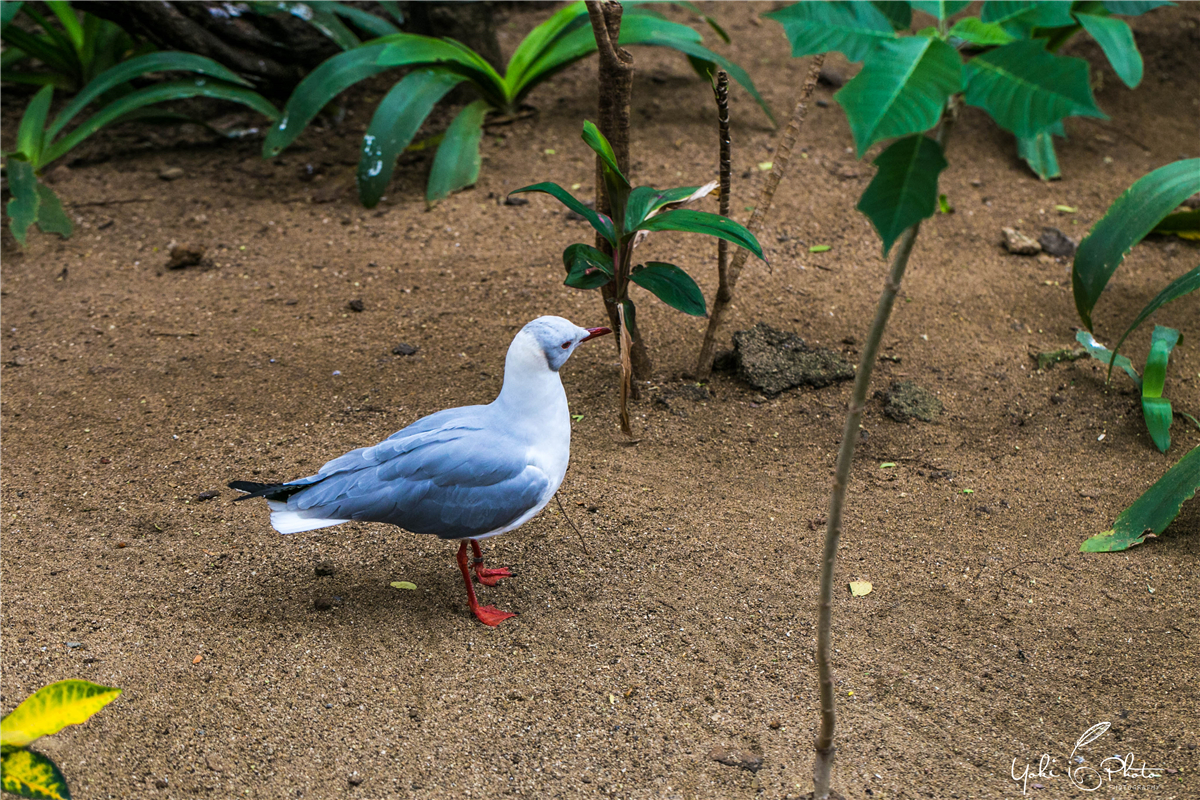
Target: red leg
<point x="488" y="615"/>
<point x="488" y="577"/>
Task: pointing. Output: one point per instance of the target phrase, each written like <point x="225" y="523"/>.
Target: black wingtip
<point x="271" y="491"/>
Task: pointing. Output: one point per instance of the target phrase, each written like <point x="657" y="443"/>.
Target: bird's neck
<point x="531" y="388"/>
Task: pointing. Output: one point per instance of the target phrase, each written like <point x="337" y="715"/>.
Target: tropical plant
<point x="441" y="64"/>
<point x="27" y="773"/>
<point x="331" y="18"/>
<point x="73" y="48"/>
<point x="39" y="144"/>
<point x="637" y="212"/>
<point x="1154" y="510"/>
<point x="1014" y="72"/>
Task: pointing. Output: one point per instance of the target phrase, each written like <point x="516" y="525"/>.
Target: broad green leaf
<point x="52" y="708"/>
<point x="1133" y="8"/>
<point x="600" y="222"/>
<point x="688" y="221"/>
<point x="70" y="22"/>
<point x="1185" y="224"/>
<point x="1154" y="377"/>
<point x="1151" y="513"/>
<point x="23" y="207"/>
<point x="537" y="41"/>
<point x="901" y="89"/>
<point x="33" y="775"/>
<point x="364" y="20"/>
<point x="157" y="93"/>
<point x="33" y="126"/>
<point x="898" y="12"/>
<point x="322" y="18"/>
<point x="1185" y="284"/>
<point x="1116" y="40"/>
<point x="51" y="217"/>
<point x="8" y="10"/>
<point x="1035" y="13"/>
<point x="942" y="9"/>
<point x="587" y="267"/>
<point x="396" y="121"/>
<point x="977" y="32"/>
<point x="1027" y="89"/>
<point x="645" y="200"/>
<point x="136" y="68"/>
<point x="1158" y="414"/>
<point x="1127" y="221"/>
<point x="393" y="8"/>
<point x="60" y="58"/>
<point x="403" y="49"/>
<point x="1109" y="358"/>
<point x="319" y="87"/>
<point x="1038" y="151"/>
<point x="456" y="163"/>
<point x="850" y="28"/>
<point x="615" y="182"/>
<point x="672" y="285"/>
<point x="904" y="191"/>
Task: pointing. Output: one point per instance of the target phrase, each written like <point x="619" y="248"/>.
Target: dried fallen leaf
<point x="860" y="588"/>
<point x="404" y="585"/>
<point x="197" y="659"/>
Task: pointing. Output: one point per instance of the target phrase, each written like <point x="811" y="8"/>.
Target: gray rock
<point x="736" y="758"/>
<point x="773" y="361"/>
<point x="1057" y="243"/>
<point x="1019" y="244"/>
<point x="324" y="569"/>
<point x="404" y="349"/>
<point x="906" y="400"/>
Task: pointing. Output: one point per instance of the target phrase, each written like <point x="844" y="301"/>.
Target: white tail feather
<point x="292" y="522"/>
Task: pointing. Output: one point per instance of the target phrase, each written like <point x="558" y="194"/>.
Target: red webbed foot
<point x="486" y="576"/>
<point x="490" y="615"/>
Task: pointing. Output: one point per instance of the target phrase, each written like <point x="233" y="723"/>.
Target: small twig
<point x="721" y="90"/>
<point x="626" y="371"/>
<point x="572" y="524"/>
<point x="783" y="154"/>
<point x="169" y="333"/>
<point x="113" y="202"/>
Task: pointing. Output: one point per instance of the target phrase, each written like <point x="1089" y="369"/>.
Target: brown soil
<point x="129" y="390"/>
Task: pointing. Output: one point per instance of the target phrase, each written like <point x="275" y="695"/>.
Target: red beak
<point x="594" y="332"/>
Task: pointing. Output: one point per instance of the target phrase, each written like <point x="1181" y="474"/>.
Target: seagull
<point x="463" y="473"/>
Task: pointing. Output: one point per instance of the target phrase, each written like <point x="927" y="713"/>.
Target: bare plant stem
<point x="616" y="92"/>
<point x="725" y="147"/>
<point x="783" y="154"/>
<point x="823" y="762"/>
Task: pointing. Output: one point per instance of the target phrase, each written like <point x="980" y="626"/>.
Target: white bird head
<point x="547" y="343"/>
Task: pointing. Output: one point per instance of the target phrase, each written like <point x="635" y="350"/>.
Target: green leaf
<point x="602" y="224"/>
<point x="942" y="9"/>
<point x="1185" y="284"/>
<point x="587" y="267"/>
<point x="1151" y="513"/>
<point x="898" y="12"/>
<point x="318" y="89"/>
<point x="70" y="22"/>
<point x="901" y="89"/>
<point x="645" y="200"/>
<point x="1038" y="151"/>
<point x="157" y="93"/>
<point x="1116" y="40"/>
<point x="29" y="774"/>
<point x="136" y="68"/>
<point x="820" y="248"/>
<point x="1035" y="13"/>
<point x="1127" y="221"/>
<point x="688" y="221"/>
<point x="322" y="18"/>
<point x="1154" y="377"/>
<point x="33" y="126"/>
<point x="535" y="44"/>
<point x="1133" y="8"/>
<point x="396" y="121"/>
<point x="23" y="206"/>
<point x="615" y="181"/>
<point x="51" y="217"/>
<point x="409" y="585"/>
<point x="672" y="285"/>
<point x="1027" y="89"/>
<point x="52" y="708"/>
<point x="1158" y="414"/>
<point x="1185" y="224"/>
<point x="850" y="28"/>
<point x="904" y="190"/>
<point x="8" y="10"/>
<point x="1106" y="356"/>
<point x="404" y="49"/>
<point x="364" y="20"/>
<point x="456" y="164"/>
<point x="977" y="32"/>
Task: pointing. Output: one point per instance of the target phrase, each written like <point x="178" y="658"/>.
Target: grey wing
<point x="447" y="477"/>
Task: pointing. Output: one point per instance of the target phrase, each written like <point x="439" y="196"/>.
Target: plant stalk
<point x="823" y="762"/>
<point x="783" y="155"/>
<point x="725" y="170"/>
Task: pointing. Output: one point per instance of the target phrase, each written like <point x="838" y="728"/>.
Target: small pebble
<point x="171" y="174"/>
<point x="1020" y="244"/>
<point x="209" y="495"/>
<point x="355" y="305"/>
<point x="513" y="200"/>
<point x="324" y="568"/>
<point x="404" y="349"/>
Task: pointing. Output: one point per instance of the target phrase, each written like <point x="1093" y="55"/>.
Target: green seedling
<point x="638" y="212"/>
<point x="27" y="773"/>
<point x="1151" y="513"/>
<point x="38" y="145"/>
<point x="438" y="65"/>
<point x="1012" y="67"/>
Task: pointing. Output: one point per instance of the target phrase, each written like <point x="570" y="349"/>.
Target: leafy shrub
<point x="442" y="64"/>
<point x="331" y="18"/>
<point x="27" y="773"/>
<point x="1015" y="72"/>
<point x="39" y="144"/>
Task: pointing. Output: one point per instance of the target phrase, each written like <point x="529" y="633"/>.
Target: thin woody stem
<point x="823" y="762"/>
<point x="783" y="155"/>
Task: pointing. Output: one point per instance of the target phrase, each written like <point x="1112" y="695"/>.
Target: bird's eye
<point x="566" y="345"/>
